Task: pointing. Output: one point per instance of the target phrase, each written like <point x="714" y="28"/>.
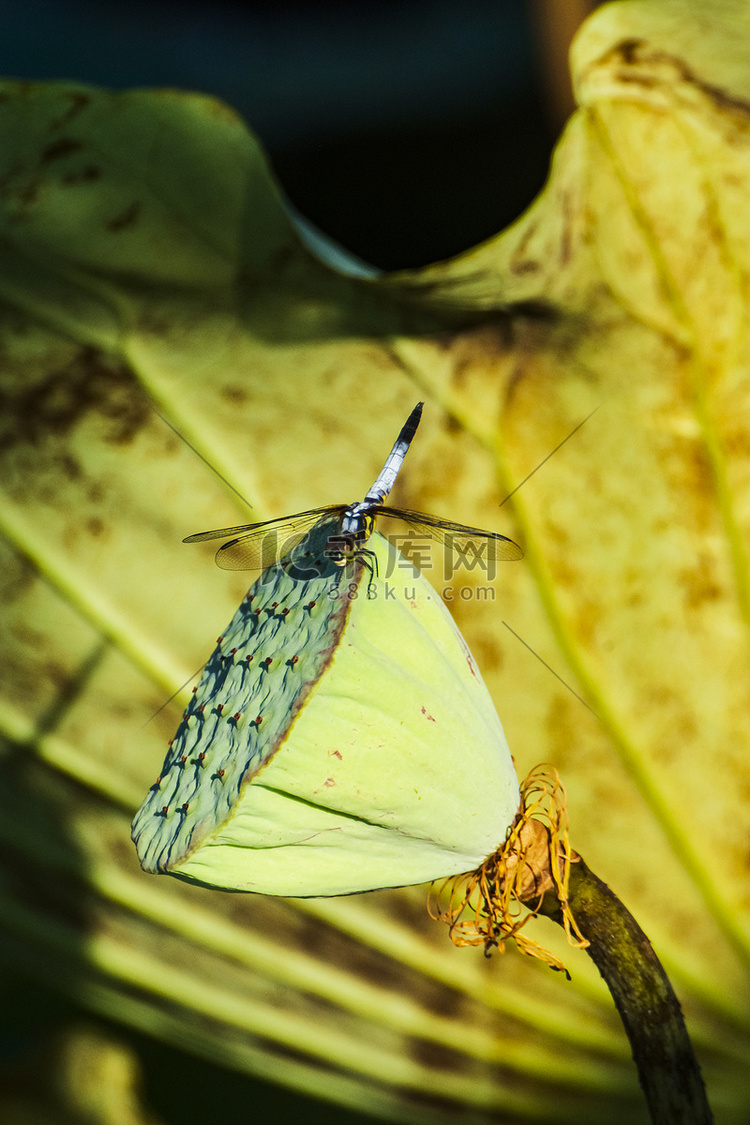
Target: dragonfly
<point x="256" y="546"/>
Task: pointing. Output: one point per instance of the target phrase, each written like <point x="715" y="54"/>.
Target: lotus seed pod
<point x="340" y="739"/>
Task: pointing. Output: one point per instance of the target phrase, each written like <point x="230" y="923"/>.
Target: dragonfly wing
<point x="274" y="540"/>
<point x="251" y="528"/>
<point x="262" y="544"/>
<point x="466" y="542"/>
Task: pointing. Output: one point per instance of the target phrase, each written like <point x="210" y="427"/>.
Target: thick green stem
<point x="650" y="1011"/>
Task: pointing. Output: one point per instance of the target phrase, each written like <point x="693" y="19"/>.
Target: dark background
<point x="408" y="130"/>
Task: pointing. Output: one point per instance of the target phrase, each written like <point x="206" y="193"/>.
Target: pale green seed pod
<point x="340" y="739"/>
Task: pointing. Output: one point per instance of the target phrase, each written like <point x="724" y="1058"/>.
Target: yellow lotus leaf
<point x="151" y="278"/>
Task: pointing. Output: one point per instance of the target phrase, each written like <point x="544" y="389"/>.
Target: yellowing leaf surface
<point x="149" y="271"/>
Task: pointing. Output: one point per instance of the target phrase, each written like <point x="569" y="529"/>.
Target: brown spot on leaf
<point x="68" y="466"/>
<point x="663" y="69"/>
<point x="78" y="100"/>
<point x="92" y="383"/>
<point x="526" y="265"/>
<point x="568" y="225"/>
<point x="84" y="175"/>
<point x="57" y="150"/>
<point x="699" y="585"/>
<point x="520" y="263"/>
<point x="235" y="395"/>
<point x="487" y="652"/>
<point x="29" y="193"/>
<point x="125" y="219"/>
<point x="484" y="344"/>
<point x="629" y="50"/>
<point x="436" y="1056"/>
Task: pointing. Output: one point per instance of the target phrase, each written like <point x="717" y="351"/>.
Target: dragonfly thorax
<point x="357" y="524"/>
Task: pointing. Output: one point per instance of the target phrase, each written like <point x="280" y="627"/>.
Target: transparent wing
<point x="467" y="542"/>
<point x="260" y="545"/>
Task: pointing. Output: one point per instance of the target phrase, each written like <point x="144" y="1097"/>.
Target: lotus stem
<point x="649" y="1009"/>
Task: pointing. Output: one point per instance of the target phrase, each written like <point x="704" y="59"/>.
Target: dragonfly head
<point x="349" y="542"/>
<point x="350" y="546"/>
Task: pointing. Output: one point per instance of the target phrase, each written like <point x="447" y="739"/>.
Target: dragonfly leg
<point x="369" y="560"/>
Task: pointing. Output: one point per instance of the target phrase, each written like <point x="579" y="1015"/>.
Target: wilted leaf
<point x="149" y="266"/>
